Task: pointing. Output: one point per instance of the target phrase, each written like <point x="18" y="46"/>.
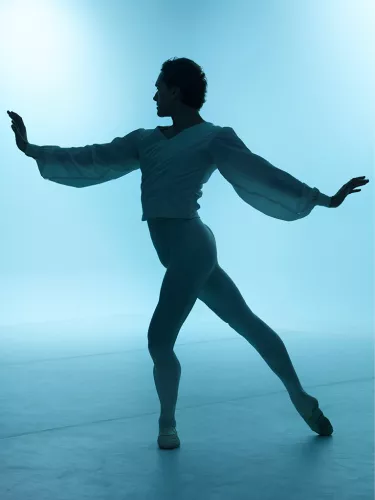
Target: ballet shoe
<point x="315" y="418"/>
<point x="168" y="438"/>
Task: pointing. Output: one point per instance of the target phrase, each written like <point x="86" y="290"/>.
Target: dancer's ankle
<point x="295" y="391"/>
<point x="166" y="422"/>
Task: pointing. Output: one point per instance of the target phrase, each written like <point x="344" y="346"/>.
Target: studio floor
<point x="79" y="416"/>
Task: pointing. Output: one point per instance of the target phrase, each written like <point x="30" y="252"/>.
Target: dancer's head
<point x="181" y="88"/>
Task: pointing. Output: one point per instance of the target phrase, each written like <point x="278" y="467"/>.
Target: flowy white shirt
<point x="174" y="171"/>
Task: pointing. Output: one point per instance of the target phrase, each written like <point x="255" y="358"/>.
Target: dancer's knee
<point x="159" y="351"/>
<point x="244" y="322"/>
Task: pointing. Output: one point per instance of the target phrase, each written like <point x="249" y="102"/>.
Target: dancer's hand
<point x="347" y="189"/>
<point x="19" y="130"/>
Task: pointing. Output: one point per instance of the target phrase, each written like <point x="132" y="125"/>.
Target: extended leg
<point x="222" y="296"/>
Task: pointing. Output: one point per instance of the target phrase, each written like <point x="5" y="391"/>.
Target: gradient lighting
<point x="77" y="253"/>
<point x="80" y="278"/>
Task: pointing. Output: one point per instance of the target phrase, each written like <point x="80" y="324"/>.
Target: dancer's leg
<point x="192" y="260"/>
<point x="222" y="296"/>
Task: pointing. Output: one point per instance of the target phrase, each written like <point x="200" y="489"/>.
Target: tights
<point x="187" y="249"/>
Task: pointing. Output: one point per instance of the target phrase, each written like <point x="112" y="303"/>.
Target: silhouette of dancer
<point x="175" y="162"/>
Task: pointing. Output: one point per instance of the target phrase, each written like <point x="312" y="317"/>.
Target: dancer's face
<point x="167" y="99"/>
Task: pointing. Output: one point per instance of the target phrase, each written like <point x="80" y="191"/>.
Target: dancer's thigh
<point x="189" y="253"/>
<point x="222" y="296"/>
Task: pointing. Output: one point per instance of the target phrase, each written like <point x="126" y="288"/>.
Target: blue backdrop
<point x="294" y="80"/>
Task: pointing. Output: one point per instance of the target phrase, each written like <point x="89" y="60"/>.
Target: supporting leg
<point x="167" y="375"/>
<point x="182" y="282"/>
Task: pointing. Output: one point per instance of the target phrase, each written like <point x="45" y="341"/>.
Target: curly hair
<point x="189" y="77"/>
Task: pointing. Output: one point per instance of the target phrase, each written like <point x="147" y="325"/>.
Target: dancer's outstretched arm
<point x="81" y="166"/>
<point x="267" y="188"/>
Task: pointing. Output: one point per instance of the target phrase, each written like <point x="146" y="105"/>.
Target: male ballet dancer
<point x="175" y="162"/>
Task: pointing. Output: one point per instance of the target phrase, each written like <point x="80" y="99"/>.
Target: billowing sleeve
<point x="263" y="186"/>
<point x="88" y="165"/>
